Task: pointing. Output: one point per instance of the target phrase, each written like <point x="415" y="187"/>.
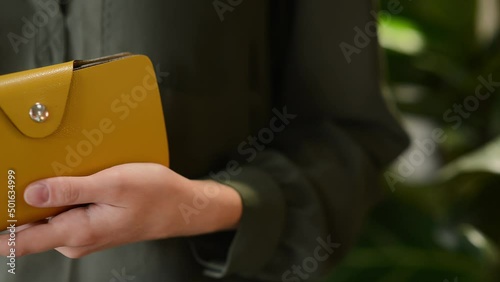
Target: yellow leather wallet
<point x="75" y="119"/>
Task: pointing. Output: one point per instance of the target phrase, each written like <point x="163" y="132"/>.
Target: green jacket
<point x="260" y="96"/>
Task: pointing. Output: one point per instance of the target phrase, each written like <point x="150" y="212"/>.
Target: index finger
<point x="62" y="230"/>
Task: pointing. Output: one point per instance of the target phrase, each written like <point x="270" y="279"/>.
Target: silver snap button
<point x="39" y="113"/>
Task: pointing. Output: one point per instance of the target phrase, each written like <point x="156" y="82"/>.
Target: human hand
<point x="123" y="204"/>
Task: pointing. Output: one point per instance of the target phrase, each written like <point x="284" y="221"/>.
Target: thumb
<point x="61" y="191"/>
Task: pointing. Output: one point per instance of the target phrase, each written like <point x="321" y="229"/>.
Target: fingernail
<point x="36" y="194"/>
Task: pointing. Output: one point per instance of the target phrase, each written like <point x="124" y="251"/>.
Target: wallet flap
<point x="35" y="100"/>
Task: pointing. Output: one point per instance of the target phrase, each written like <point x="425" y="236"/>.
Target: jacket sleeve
<point x="306" y="194"/>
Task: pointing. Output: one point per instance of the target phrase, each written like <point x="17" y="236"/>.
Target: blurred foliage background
<point x="440" y="218"/>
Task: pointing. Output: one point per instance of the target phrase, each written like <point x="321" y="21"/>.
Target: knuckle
<point x="70" y="193"/>
<point x="85" y="235"/>
<point x="85" y="238"/>
<point x="119" y="185"/>
<point x="118" y="178"/>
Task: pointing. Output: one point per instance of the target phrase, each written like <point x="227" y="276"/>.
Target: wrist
<point x="219" y="207"/>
